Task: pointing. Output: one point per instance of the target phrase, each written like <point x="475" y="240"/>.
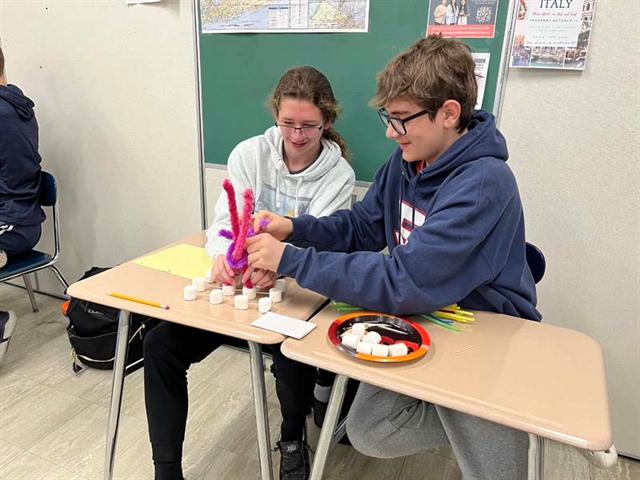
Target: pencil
<point x="138" y="300"/>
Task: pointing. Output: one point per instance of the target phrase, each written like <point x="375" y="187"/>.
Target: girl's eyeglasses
<point x="308" y="132"/>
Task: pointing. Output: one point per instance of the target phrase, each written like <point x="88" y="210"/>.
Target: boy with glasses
<point x="447" y="207"/>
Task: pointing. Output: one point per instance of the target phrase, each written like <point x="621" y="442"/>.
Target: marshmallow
<point x="240" y="302"/>
<point x="250" y="293"/>
<point x="364" y="348"/>
<point x="398" y="350"/>
<point x="281" y="284"/>
<point x="199" y="283"/>
<point x="350" y="340"/>
<point x="228" y="290"/>
<point x="208" y="276"/>
<point x="189" y="293"/>
<point x="372" y="338"/>
<point x="275" y="294"/>
<point x="264" y="305"/>
<point x="380" y="350"/>
<point x="358" y="329"/>
<point x="216" y="296"/>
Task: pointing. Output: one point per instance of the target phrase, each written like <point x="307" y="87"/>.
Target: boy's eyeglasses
<point x="308" y="132"/>
<point x="398" y="124"/>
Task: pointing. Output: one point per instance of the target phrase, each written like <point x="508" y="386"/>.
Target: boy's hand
<point x="279" y="227"/>
<point x="265" y="252"/>
<point x="259" y="277"/>
<point x="221" y="272"/>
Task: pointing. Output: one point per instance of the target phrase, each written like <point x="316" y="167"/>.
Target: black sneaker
<point x="294" y="460"/>
<point x="7" y="325"/>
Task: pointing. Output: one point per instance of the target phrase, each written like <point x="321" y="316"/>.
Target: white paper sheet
<point x="291" y="327"/>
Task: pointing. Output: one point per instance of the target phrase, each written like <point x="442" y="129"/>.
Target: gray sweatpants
<point x="384" y="424"/>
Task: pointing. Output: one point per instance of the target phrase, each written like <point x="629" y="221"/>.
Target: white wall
<point x="575" y="148"/>
<point x="114" y="88"/>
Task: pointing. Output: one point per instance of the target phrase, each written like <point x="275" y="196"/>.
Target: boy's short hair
<point x="1" y="62"/>
<point x="431" y="71"/>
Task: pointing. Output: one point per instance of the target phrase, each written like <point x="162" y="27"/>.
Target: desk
<point x="545" y="380"/>
<point x="143" y="282"/>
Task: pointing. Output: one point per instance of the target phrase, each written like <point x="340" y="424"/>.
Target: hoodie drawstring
<point x="278" y="184"/>
<point x="295" y="210"/>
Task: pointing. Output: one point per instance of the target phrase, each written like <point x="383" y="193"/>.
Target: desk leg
<point x="536" y="457"/>
<point x="262" y="413"/>
<point x="117" y="383"/>
<point x="329" y="426"/>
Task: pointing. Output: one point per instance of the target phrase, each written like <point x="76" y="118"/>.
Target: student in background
<point x="297" y="167"/>
<point x="447" y="207"/>
<point x="20" y="175"/>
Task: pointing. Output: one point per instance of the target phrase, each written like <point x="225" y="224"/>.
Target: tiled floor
<point x="52" y="422"/>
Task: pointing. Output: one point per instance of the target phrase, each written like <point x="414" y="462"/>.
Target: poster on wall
<point x="482" y="70"/>
<point x="552" y="34"/>
<point x="462" y="18"/>
<point x="284" y="16"/>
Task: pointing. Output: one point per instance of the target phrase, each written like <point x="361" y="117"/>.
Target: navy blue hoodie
<point x="455" y="233"/>
<point x="20" y="175"/>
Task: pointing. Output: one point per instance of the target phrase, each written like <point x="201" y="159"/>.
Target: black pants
<point x="15" y="240"/>
<point x="170" y="349"/>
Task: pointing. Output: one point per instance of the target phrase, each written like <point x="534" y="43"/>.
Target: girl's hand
<point x="221" y="272"/>
<point x="259" y="277"/>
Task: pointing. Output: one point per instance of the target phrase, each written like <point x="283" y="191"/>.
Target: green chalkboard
<point x="239" y="70"/>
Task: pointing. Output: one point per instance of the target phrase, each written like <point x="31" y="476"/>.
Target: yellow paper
<point x="183" y="260"/>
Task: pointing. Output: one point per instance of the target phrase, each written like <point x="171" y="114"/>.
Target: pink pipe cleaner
<point x="233" y="207"/>
<point x="237" y="256"/>
<point x="241" y="241"/>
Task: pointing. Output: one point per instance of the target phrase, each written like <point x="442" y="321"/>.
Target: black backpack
<point x="93" y="330"/>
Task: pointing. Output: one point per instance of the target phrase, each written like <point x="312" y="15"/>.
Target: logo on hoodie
<point x="410" y="218"/>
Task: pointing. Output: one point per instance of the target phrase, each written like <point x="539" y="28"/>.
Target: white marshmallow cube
<point x="250" y="293"/>
<point x="372" y="338"/>
<point x="364" y="348"/>
<point x="189" y="293"/>
<point x="241" y="302"/>
<point x="199" y="283"/>
<point x="275" y="294"/>
<point x="358" y="329"/>
<point x="208" y="277"/>
<point x="228" y="290"/>
<point x="264" y="305"/>
<point x="216" y="296"/>
<point x="350" y="340"/>
<point x="380" y="350"/>
<point x="398" y="350"/>
<point x="281" y="284"/>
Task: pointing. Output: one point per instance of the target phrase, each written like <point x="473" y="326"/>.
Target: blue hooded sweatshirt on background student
<point x="455" y="233"/>
<point x="20" y="173"/>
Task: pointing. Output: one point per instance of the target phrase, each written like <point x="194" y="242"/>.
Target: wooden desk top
<point x="537" y="378"/>
<point x="155" y="285"/>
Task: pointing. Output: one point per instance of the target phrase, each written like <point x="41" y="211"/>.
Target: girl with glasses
<point x="296" y="167"/>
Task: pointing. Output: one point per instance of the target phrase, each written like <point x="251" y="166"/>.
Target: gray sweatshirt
<point x="257" y="163"/>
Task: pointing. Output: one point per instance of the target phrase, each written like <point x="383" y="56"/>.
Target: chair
<point x="35" y="260"/>
<point x="535" y="260"/>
